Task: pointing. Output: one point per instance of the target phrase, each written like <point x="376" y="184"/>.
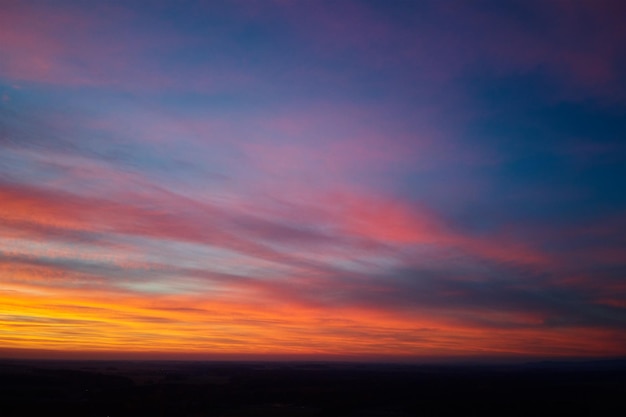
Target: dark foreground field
<point x="39" y="388"/>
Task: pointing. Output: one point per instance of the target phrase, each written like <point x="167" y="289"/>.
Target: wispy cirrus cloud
<point x="386" y="180"/>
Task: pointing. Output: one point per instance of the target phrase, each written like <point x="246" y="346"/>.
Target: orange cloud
<point x="79" y="321"/>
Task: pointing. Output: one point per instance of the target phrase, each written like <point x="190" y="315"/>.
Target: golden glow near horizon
<point x="165" y="326"/>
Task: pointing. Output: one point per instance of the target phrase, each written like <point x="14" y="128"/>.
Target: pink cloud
<point x="97" y="47"/>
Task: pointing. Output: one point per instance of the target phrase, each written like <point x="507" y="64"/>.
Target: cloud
<point x="98" y="47"/>
<point x="386" y="179"/>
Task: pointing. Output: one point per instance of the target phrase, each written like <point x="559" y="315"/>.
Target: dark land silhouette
<point x="165" y="388"/>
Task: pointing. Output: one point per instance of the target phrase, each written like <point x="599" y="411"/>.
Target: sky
<point x="370" y="180"/>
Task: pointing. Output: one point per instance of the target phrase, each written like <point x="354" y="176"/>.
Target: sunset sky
<point x="312" y="179"/>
